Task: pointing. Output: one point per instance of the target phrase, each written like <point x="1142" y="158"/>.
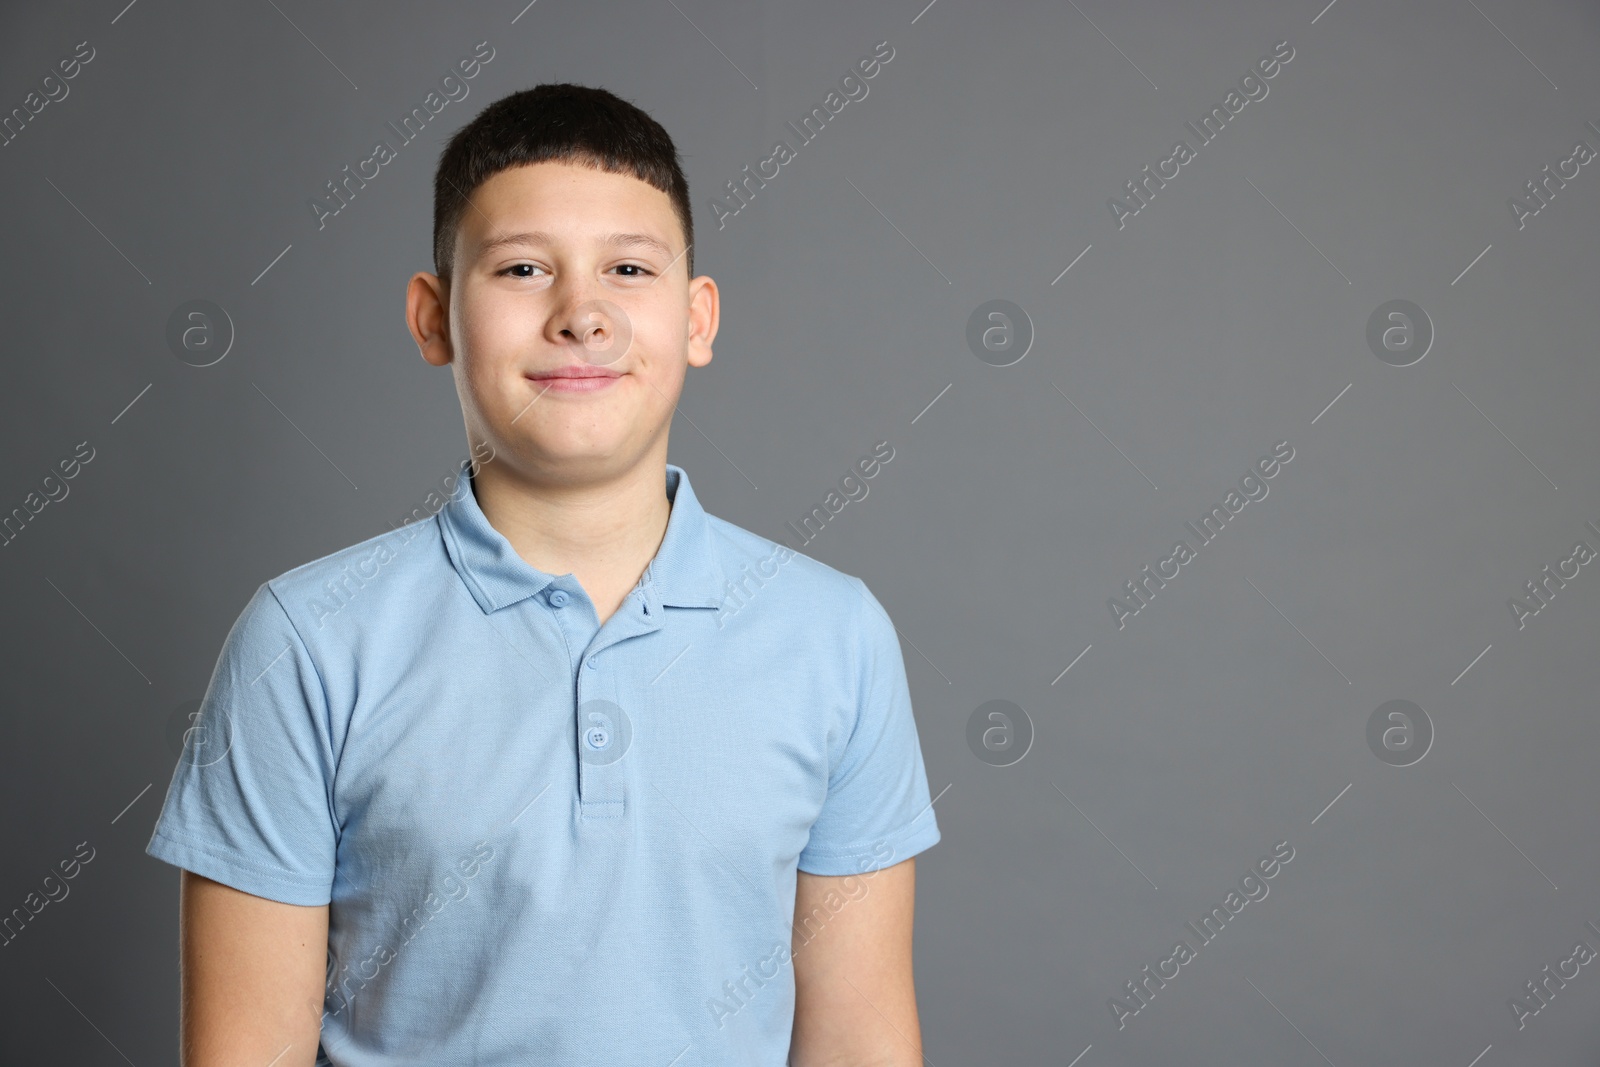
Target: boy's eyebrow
<point x="533" y="237"/>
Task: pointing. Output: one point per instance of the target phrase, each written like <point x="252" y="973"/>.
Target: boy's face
<point x="562" y="290"/>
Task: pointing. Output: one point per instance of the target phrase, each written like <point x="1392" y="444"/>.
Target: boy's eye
<point x="516" y="267"/>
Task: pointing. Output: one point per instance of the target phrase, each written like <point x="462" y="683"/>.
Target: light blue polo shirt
<point x="542" y="840"/>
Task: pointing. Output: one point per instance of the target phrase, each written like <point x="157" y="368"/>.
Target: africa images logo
<point x="199" y="734"/>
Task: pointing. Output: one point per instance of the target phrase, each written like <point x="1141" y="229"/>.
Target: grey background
<point x="1228" y="315"/>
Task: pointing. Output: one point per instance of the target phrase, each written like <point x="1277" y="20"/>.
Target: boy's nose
<point x="601" y="328"/>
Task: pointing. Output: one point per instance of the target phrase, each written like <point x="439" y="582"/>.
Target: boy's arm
<point x="252" y="977"/>
<point x="855" y="1002"/>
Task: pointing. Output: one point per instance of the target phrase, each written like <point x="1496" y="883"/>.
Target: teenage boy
<point x="571" y="771"/>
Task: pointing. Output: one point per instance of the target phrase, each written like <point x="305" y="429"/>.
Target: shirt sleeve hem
<point x="916" y="836"/>
<point x="221" y="865"/>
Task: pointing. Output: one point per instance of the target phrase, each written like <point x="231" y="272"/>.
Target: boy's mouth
<point x="578" y="378"/>
<point x="576" y="370"/>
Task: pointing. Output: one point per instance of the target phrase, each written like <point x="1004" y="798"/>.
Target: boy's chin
<point x="586" y="457"/>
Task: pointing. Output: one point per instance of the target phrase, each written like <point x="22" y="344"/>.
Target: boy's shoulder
<point x="751" y="563"/>
<point x="372" y="571"/>
<point x="738" y="547"/>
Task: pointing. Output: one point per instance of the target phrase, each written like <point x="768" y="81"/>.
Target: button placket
<point x="578" y="629"/>
<point x="605" y="730"/>
<point x="602" y="741"/>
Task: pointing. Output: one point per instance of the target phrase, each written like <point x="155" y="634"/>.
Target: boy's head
<point x="563" y="123"/>
<point x="562" y="241"/>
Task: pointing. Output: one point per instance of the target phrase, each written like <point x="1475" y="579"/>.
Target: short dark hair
<point x="554" y="122"/>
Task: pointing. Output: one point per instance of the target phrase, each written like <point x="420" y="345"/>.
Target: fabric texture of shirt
<point x="543" y="840"/>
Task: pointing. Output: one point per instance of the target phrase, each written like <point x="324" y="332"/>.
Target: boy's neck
<point x="603" y="533"/>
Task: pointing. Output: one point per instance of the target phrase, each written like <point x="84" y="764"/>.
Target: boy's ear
<point x="705" y="312"/>
<point x="428" y="316"/>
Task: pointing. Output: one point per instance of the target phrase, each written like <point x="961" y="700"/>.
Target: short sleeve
<point x="250" y="802"/>
<point x="877" y="811"/>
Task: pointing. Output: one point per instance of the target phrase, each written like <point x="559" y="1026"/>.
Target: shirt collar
<point x="684" y="573"/>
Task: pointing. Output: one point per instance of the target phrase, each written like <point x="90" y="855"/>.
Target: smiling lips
<point x="580" y="378"/>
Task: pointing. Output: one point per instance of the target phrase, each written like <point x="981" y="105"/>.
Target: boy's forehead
<point x="553" y="203"/>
